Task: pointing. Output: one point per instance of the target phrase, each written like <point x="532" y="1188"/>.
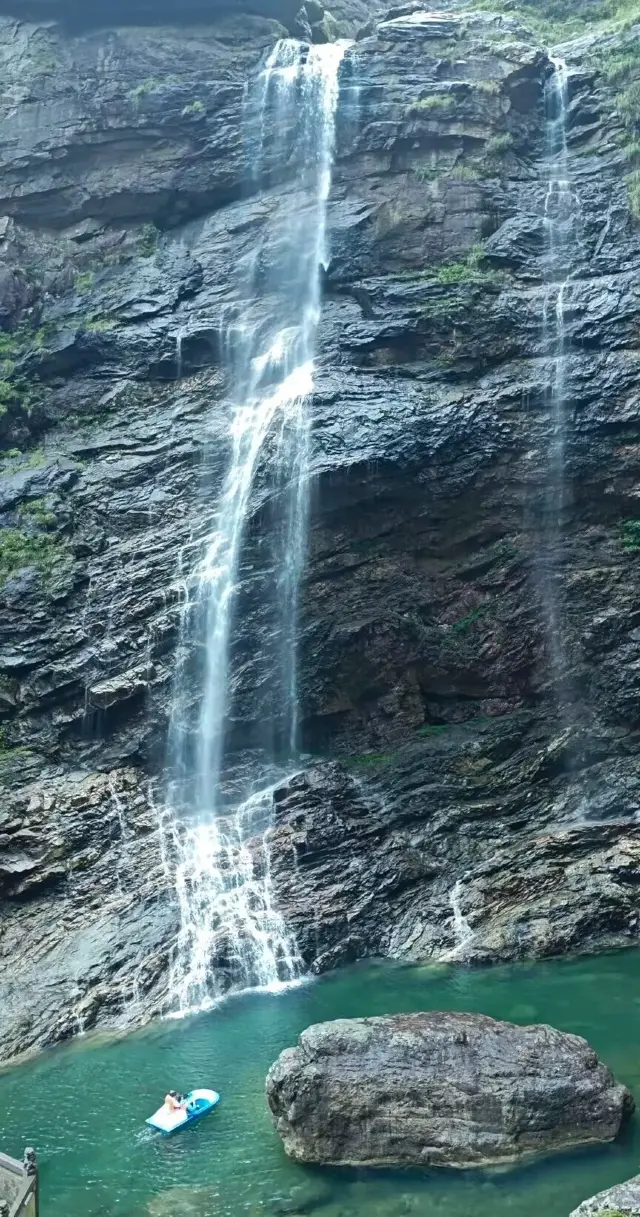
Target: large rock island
<point x="439" y="1089"/>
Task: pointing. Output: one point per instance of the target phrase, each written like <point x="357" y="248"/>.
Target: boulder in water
<point x="623" y="1200"/>
<point x="439" y="1089"/>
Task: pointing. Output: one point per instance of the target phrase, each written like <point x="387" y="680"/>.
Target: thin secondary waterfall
<point x="231" y="936"/>
<point x="560" y="216"/>
<point x="463" y="935"/>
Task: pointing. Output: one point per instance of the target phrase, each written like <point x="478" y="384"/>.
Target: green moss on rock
<point x="630" y="538"/>
<point x="20" y="549"/>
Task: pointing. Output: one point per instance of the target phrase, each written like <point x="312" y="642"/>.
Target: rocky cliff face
<point x="487" y="808"/>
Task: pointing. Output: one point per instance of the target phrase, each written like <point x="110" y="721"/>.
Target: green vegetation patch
<point x="492" y="87"/>
<point x="193" y="110"/>
<point x="617" y="68"/>
<point x="628" y="105"/>
<point x="40" y="512"/>
<point x="83" y="282"/>
<point x="632" y="182"/>
<point x="555" y="20"/>
<point x="14" y="459"/>
<point x="630" y="538"/>
<point x="497" y="145"/>
<point x="370" y="760"/>
<point x="617" y="63"/>
<point x="143" y="90"/>
<point x="465" y="173"/>
<point x="461" y="171"/>
<point x="16" y="391"/>
<point x="149" y="86"/>
<point x="464" y="624"/>
<point x="19" y="549"/>
<point x="148" y="240"/>
<point x="98" y="324"/>
<point x="434" y="103"/>
<point x="631" y="150"/>
<point x="468" y="271"/>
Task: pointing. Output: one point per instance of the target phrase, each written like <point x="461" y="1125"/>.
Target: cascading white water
<point x="462" y="932"/>
<point x="558" y="212"/>
<point x="230" y="934"/>
<point x="561" y="210"/>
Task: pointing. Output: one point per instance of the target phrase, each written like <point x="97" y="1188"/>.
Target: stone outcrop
<point x="86" y="919"/>
<point x="623" y="1200"/>
<point x="459" y="848"/>
<point x="488" y="814"/>
<point x="439" y="1089"/>
<point x="301" y="19"/>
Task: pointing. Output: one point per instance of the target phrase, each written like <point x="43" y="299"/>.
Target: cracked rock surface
<point x="439" y="1089"/>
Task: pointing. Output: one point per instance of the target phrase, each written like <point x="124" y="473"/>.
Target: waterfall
<point x="462" y="932"/>
<point x="178" y="361"/>
<point x="561" y="210"/>
<point x="230" y="934"/>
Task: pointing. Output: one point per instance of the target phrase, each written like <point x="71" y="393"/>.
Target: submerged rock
<point x="182" y="1202"/>
<point x="623" y="1200"/>
<point x="439" y="1089"/>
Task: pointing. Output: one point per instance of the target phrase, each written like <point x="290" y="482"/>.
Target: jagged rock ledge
<point x="439" y="1089"/>
<point x="623" y="1200"/>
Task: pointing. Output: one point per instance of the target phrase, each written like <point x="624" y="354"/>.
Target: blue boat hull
<point x="198" y="1104"/>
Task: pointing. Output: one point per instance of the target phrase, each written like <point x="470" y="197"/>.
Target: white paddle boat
<point x="192" y="1107"/>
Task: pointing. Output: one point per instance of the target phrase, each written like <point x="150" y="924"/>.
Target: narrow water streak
<point x="561" y="212"/>
<point x="230" y="935"/>
<point x="462" y="932"/>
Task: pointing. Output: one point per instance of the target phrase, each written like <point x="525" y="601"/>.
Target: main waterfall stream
<point x="230" y="934"/>
<point x="561" y="213"/>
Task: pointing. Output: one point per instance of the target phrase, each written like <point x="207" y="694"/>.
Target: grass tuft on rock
<point x="148" y="240"/>
<point x="468" y="271"/>
<point x="194" y="109"/>
<point x="632" y="182"/>
<point x="556" y="20"/>
<point x="83" y="282"/>
<point x="499" y="144"/>
<point x="628" y="105"/>
<point x="434" y="102"/>
<point x="20" y="549"/>
<point x="630" y="538"/>
<point x="370" y="760"/>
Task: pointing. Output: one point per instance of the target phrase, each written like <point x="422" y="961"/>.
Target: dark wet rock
<point x="15" y="294"/>
<point x="464" y="845"/>
<point x="439" y="1089"/>
<point x="622" y="1200"/>
<point x="84" y="902"/>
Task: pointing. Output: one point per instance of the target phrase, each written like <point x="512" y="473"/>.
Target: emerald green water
<point x="84" y="1106"/>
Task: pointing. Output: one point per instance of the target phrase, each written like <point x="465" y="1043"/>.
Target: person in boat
<point x="174" y="1101"/>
